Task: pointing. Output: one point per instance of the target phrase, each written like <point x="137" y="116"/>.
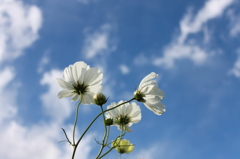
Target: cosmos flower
<point x="123" y="146"/>
<point x="80" y="80"/>
<point x="149" y="93"/>
<point x="125" y="115"/>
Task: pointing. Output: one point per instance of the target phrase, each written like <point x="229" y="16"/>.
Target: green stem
<point x="66" y="136"/>
<point x="76" y="145"/>
<point x="105" y="134"/>
<point x="121" y="135"/>
<point x="74" y="128"/>
<point x="75" y="122"/>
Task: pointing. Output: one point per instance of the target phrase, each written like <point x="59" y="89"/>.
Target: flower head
<point x="125" y="115"/>
<point x="123" y="146"/>
<point x="149" y="93"/>
<point x="99" y="98"/>
<point x="80" y="80"/>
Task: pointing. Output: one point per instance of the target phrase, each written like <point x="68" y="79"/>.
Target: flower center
<point x="139" y="96"/>
<point x="123" y="120"/>
<point x="80" y="88"/>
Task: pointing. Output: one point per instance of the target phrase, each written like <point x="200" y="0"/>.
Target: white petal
<point x="158" y="108"/>
<point x="67" y="74"/>
<point x="147" y="89"/>
<point x="124" y="128"/>
<point x="135" y="110"/>
<point x="65" y="93"/>
<point x="76" y="97"/>
<point x="147" y="78"/>
<point x="93" y="76"/>
<point x="112" y="112"/>
<point x="87" y="99"/>
<point x="152" y="99"/>
<point x="95" y="88"/>
<point x="79" y="70"/>
<point x="128" y="129"/>
<point x="63" y="84"/>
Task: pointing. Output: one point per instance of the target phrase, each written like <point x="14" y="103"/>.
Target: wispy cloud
<point x="19" y="27"/>
<point x="236" y="68"/>
<point x="234" y="23"/>
<point x="43" y="62"/>
<point x="141" y="59"/>
<point x="183" y="47"/>
<point x="58" y="109"/>
<point x="98" y="42"/>
<point x="177" y="51"/>
<point x="7" y="94"/>
<point x="124" y="69"/>
<point x="192" y="24"/>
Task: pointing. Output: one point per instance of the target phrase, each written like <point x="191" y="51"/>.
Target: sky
<point x="192" y="45"/>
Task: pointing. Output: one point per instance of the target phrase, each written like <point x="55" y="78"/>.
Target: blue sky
<point x="192" y="45"/>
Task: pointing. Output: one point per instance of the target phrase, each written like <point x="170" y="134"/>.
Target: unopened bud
<point x="99" y="98"/>
<point x="108" y="121"/>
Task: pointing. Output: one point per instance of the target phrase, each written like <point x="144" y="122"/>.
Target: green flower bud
<point x="108" y="121"/>
<point x="99" y="98"/>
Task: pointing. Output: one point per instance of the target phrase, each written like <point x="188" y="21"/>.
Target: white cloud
<point x="234" y="23"/>
<point x="7" y="94"/>
<point x="7" y="75"/>
<point x="236" y="68"/>
<point x="19" y="27"/>
<point x="98" y="43"/>
<point x="212" y="9"/>
<point x="58" y="109"/>
<point x="124" y="69"/>
<point x="141" y="59"/>
<point x="157" y="150"/>
<point x="38" y="140"/>
<point x="43" y="62"/>
<point x="183" y="47"/>
<point x="178" y="51"/>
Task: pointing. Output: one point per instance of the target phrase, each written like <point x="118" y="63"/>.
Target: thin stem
<point x="75" y="122"/>
<point x="108" y="132"/>
<point x="66" y="136"/>
<point x="74" y="128"/>
<point x="105" y="134"/>
<point x="121" y="135"/>
<point x="76" y="145"/>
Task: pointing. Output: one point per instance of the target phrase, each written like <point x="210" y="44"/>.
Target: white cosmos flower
<point x="125" y="115"/>
<point x="80" y="80"/>
<point x="149" y="93"/>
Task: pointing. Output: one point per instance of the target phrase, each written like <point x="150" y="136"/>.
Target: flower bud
<point x="99" y="98"/>
<point x="108" y="121"/>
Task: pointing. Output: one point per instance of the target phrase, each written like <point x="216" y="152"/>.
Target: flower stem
<point x="105" y="134"/>
<point x="121" y="135"/>
<point x="75" y="122"/>
<point x="76" y="145"/>
<point x="74" y="128"/>
<point x="66" y="137"/>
